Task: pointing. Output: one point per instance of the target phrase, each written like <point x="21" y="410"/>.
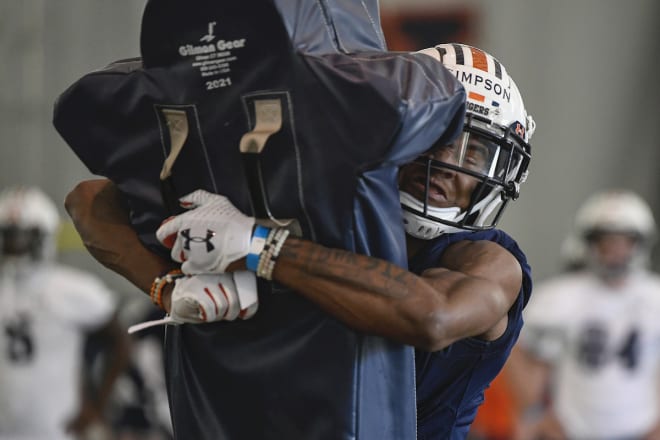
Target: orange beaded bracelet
<point x="156" y="292"/>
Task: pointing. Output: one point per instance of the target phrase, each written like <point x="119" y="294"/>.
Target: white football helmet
<point x="497" y="119"/>
<point x="28" y="223"/>
<point x="618" y="211"/>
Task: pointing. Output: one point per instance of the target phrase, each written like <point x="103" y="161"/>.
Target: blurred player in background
<point x="46" y="313"/>
<point x="591" y="342"/>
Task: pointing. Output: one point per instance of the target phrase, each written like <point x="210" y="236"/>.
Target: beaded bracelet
<point x="264" y="255"/>
<point x="156" y="292"/>
<point x="271" y="251"/>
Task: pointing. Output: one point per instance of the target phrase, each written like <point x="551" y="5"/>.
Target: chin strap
<point x="421" y="227"/>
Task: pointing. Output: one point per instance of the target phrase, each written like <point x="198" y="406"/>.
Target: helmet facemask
<point x="614" y="264"/>
<point x="496" y="157"/>
<point x="28" y="225"/>
<point x="17" y="242"/>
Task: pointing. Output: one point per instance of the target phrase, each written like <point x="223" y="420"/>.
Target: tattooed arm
<point x="468" y="296"/>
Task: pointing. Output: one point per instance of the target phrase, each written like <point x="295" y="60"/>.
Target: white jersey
<point x="604" y="344"/>
<point x="44" y="314"/>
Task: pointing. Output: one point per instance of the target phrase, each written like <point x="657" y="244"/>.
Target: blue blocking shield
<point x="295" y="111"/>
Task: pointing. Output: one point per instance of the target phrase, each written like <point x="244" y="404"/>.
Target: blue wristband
<point x="257" y="243"/>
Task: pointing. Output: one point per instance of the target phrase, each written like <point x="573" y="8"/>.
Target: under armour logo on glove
<point x="187" y="239"/>
<point x="212" y="220"/>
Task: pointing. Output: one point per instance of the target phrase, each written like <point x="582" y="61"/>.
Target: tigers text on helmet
<point x="497" y="124"/>
<point x="28" y="223"/>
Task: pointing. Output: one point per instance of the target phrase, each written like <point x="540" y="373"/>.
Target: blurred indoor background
<point x="588" y="70"/>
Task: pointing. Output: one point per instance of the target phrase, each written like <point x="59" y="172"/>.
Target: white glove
<point x="206" y="298"/>
<point x="209" y="236"/>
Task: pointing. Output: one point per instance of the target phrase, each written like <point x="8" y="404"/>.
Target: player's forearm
<point x="368" y="294"/>
<point x="102" y="222"/>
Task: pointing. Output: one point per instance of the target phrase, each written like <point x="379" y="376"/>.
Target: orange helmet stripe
<point x="479" y="60"/>
<point x="476" y="96"/>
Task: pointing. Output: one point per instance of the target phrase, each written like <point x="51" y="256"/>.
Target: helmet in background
<point x="617" y="211"/>
<point x="496" y="117"/>
<point x="28" y="223"/>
